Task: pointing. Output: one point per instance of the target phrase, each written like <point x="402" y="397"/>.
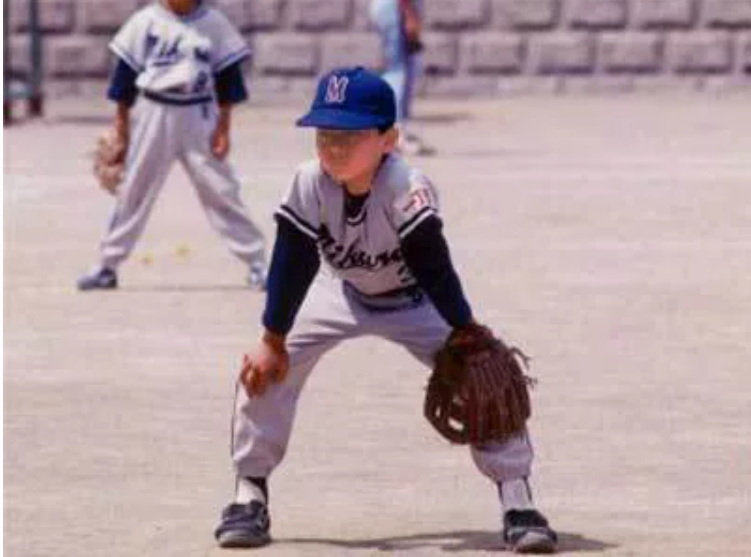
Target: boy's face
<point x="349" y="155"/>
<point x="181" y="7"/>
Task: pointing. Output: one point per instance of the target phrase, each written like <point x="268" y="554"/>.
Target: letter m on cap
<point x="336" y="89"/>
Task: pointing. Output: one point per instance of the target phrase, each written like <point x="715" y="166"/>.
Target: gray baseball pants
<point x="162" y="134"/>
<point x="261" y="426"/>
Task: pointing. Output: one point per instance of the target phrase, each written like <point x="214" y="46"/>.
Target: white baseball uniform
<point x="364" y="288"/>
<point x="176" y="59"/>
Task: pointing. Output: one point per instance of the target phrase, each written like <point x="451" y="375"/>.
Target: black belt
<point x="156" y="97"/>
<point x="394" y="300"/>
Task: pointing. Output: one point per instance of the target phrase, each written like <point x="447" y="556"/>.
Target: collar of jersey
<point x="385" y="159"/>
<point x="197" y="13"/>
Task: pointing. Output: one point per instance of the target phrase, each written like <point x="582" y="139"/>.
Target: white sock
<point x="247" y="491"/>
<point x="516" y="494"/>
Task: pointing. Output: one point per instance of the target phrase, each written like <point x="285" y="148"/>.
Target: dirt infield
<point x="611" y="238"/>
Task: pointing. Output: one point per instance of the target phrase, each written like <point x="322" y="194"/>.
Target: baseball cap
<point x="351" y="99"/>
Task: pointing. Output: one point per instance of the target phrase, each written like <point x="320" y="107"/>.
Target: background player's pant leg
<point x="261" y="426"/>
<point x="385" y="16"/>
<point x="151" y="153"/>
<point x="412" y="75"/>
<point x="422" y="331"/>
<point x="218" y="188"/>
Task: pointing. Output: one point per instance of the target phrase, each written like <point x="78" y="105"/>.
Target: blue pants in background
<point x="401" y="69"/>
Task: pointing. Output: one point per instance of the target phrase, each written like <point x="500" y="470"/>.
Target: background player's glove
<point x="478" y="390"/>
<point x="109" y="160"/>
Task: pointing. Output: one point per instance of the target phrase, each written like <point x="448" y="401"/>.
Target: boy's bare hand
<point x="412" y="27"/>
<point x="268" y="364"/>
<point x="220" y="143"/>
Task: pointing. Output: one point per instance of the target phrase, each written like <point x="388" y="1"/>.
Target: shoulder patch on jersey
<point x="417" y="200"/>
<point x="421" y="195"/>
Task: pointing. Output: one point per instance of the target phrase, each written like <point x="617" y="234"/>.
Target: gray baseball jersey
<point x="177" y="57"/>
<point x="363" y="249"/>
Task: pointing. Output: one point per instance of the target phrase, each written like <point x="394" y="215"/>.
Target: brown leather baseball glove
<point x="478" y="391"/>
<point x="109" y="161"/>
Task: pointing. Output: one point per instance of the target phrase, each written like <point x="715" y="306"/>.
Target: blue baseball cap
<point x="351" y="99"/>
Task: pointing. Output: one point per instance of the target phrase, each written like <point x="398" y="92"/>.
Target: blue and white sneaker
<point x="244" y="525"/>
<point x="101" y="278"/>
<point x="257" y="278"/>
<point x="527" y="531"/>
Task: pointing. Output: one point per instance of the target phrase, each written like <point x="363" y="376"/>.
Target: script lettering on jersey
<point x="343" y="257"/>
<point x="166" y="54"/>
<point x="202" y="54"/>
<point x="201" y="82"/>
<point x="336" y="89"/>
<point x="151" y="42"/>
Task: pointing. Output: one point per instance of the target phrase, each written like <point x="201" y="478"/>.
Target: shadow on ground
<point x="167" y="288"/>
<point x="441" y="118"/>
<point x="461" y="540"/>
<point x="97" y="120"/>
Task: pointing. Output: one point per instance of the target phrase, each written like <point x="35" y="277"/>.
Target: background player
<point x="388" y="273"/>
<point x="183" y="57"/>
<point x="399" y="24"/>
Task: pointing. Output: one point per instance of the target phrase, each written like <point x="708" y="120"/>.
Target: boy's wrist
<point x="275" y="340"/>
<point x="122" y="130"/>
<point x="224" y="119"/>
<point x="122" y="121"/>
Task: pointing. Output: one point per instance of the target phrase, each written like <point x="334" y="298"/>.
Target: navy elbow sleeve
<point x="294" y="264"/>
<point x="230" y="85"/>
<point x="426" y="253"/>
<point x="122" y="86"/>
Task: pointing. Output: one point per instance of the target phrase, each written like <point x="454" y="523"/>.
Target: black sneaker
<point x="244" y="525"/>
<point x="99" y="279"/>
<point x="528" y="532"/>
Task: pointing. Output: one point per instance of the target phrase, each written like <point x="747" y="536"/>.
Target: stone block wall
<point x="473" y="47"/>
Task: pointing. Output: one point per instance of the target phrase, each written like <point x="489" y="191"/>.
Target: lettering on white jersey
<point x="178" y="55"/>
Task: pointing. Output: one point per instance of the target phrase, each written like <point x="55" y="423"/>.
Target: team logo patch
<point x="336" y="89"/>
<point x="417" y="200"/>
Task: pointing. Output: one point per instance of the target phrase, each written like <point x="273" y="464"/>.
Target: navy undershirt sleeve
<point x="294" y="264"/>
<point x="122" y="87"/>
<point x="230" y="85"/>
<point x="426" y="253"/>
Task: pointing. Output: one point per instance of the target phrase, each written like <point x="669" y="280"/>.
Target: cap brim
<point x="335" y="119"/>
